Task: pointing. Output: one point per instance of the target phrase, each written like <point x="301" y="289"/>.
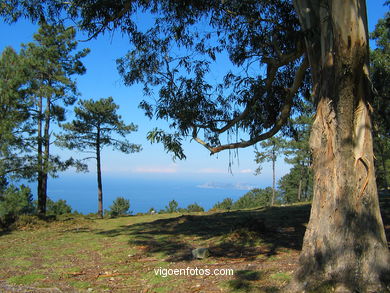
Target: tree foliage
<point x="172" y="206"/>
<point x="380" y="75"/>
<point x="97" y="122"/>
<point x="270" y="150"/>
<point x="271" y="45"/>
<point x="119" y="207"/>
<point x="58" y="207"/>
<point x="38" y="86"/>
<point x="254" y="198"/>
<point x="14" y="115"/>
<point x="293" y="187"/>
<point x="225" y="204"/>
<point x="194" y="207"/>
<point x="251" y="34"/>
<point x="95" y="127"/>
<point x="14" y="202"/>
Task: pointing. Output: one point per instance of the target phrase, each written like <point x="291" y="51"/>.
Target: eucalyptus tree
<point x="95" y="125"/>
<point x="280" y="51"/>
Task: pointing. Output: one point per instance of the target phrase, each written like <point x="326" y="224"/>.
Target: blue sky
<point x="102" y="80"/>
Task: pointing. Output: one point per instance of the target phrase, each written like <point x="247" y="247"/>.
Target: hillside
<point x="79" y="254"/>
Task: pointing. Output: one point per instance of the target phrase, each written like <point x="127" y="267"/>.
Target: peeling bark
<point x="345" y="245"/>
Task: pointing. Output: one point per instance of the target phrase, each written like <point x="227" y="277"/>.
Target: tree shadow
<point x="245" y="281"/>
<point x="234" y="234"/>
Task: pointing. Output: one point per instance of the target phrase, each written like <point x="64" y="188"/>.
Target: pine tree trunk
<point x="344" y="245"/>
<point x="46" y="154"/>
<point x="40" y="190"/>
<point x="299" y="196"/>
<point x="273" y="180"/>
<point x="99" y="177"/>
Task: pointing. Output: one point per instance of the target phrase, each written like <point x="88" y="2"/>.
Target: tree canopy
<point x="175" y="56"/>
<point x="281" y="52"/>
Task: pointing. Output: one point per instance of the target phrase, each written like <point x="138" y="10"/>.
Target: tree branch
<point x="284" y="114"/>
<point x="273" y="64"/>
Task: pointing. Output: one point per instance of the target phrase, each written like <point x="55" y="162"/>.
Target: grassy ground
<point x="261" y="246"/>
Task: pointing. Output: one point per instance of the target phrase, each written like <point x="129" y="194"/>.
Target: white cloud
<point x="211" y="171"/>
<point x="167" y="169"/>
<point x="246" y="171"/>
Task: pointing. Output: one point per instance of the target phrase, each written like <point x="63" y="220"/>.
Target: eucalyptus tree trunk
<point x="344" y="245"/>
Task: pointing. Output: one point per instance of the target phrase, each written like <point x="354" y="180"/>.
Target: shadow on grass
<point x="245" y="281"/>
<point x="237" y="234"/>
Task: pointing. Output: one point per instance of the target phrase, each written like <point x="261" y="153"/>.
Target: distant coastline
<point x="80" y="191"/>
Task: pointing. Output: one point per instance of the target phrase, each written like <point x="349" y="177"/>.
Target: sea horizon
<point x="145" y="192"/>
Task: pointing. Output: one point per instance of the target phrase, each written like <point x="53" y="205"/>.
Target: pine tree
<point x="14" y="116"/>
<point x="278" y="45"/>
<point x="272" y="148"/>
<point x="51" y="65"/>
<point x="95" y="125"/>
<point x="380" y="75"/>
<point x="297" y="153"/>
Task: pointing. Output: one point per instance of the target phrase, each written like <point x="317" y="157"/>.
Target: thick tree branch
<point x="273" y="64"/>
<point x="284" y="114"/>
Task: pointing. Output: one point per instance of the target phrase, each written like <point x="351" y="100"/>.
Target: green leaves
<point x="172" y="142"/>
<point x="97" y="123"/>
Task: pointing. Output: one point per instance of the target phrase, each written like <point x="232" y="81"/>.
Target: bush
<point x="28" y="221"/>
<point x="254" y="198"/>
<point x="120" y="207"/>
<point x="195" y="208"/>
<point x="57" y="208"/>
<point x="226" y="204"/>
<point x="13" y="203"/>
<point x="172" y="207"/>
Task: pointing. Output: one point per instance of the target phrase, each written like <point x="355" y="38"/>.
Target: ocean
<point x="80" y="191"/>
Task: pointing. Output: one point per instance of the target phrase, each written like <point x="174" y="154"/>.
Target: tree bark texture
<point x="345" y="246"/>
<point x="40" y="189"/>
<point x="46" y="154"/>
<point x="99" y="177"/>
<point x="273" y="178"/>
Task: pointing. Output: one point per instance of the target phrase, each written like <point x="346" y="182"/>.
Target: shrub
<point x="172" y="207"/>
<point x="28" y="221"/>
<point x="195" y="208"/>
<point x="13" y="203"/>
<point x="226" y="204"/>
<point x="56" y="208"/>
<point x="120" y="207"/>
<point x="254" y="198"/>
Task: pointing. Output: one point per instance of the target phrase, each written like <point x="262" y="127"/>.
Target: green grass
<point x="78" y="253"/>
<point x="281" y="276"/>
<point x="25" y="279"/>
